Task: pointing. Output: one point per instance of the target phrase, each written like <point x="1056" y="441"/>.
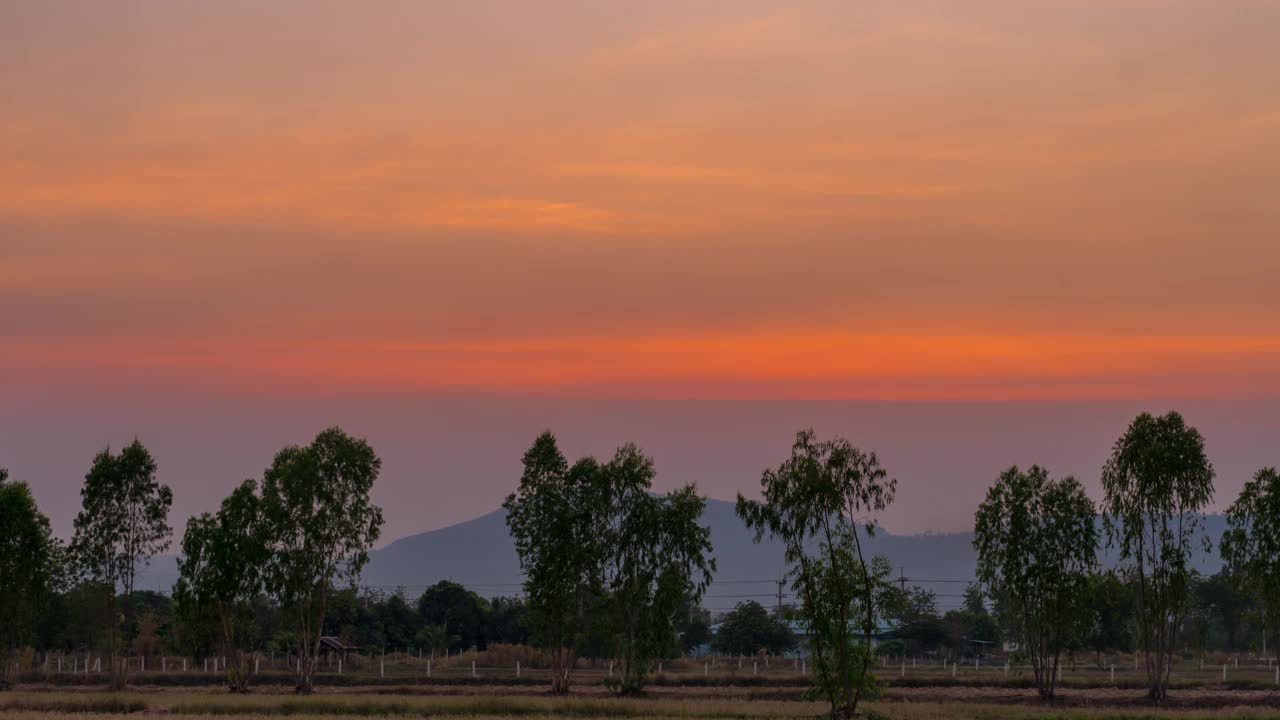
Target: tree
<point x="436" y="638"/>
<point x="508" y="621"/>
<point x="1156" y="483"/>
<point x="693" y="627"/>
<point x="975" y="600"/>
<point x="319" y="527"/>
<point x="818" y="495"/>
<point x="748" y="629"/>
<point x="1251" y="545"/>
<point x="1036" y="544"/>
<point x="552" y="518"/>
<point x="463" y="612"/>
<point x="602" y="555"/>
<point x="221" y="572"/>
<point x="399" y="622"/>
<point x="122" y="526"/>
<point x="1110" y="606"/>
<point x="658" y="560"/>
<point x="27" y="576"/>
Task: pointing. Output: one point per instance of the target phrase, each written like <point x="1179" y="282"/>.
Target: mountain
<point x="480" y="554"/>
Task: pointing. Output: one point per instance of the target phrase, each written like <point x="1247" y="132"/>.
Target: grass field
<point x="83" y="705"/>
<point x="684" y="689"/>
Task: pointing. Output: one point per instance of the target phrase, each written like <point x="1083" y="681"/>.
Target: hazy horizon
<point x="449" y="460"/>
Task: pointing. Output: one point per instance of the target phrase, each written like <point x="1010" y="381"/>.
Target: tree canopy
<point x="222" y="569"/>
<point x="820" y="495"/>
<point x="1156" y="482"/>
<point x="319" y="526"/>
<point x="1036" y="544"/>
<point x="595" y="543"/>
<point x="123" y="524"/>
<point x="28" y="573"/>
<point x="463" y="613"/>
<point x="748" y="629"/>
<point x="1251" y="545"/>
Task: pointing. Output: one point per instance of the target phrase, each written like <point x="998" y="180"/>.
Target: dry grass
<point x="26" y="705"/>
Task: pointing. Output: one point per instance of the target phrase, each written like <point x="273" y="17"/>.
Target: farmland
<point x="398" y="687"/>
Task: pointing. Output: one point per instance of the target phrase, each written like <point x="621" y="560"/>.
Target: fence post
<point x="428" y="667"/>
<point x="517" y="669"/>
<point x="473" y="669"/>
<point x="755" y="666"/>
<point x="1113" y="673"/>
<point x="339" y="665"/>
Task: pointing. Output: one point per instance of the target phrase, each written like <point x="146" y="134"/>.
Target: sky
<point x="963" y="234"/>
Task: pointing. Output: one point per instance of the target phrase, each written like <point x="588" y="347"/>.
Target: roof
<point x="335" y="643"/>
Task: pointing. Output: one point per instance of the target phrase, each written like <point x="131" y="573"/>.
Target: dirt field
<point x="710" y="703"/>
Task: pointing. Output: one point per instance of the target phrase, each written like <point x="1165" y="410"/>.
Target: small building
<point x="330" y="644"/>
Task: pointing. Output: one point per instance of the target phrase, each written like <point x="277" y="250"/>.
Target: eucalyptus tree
<point x="1250" y="546"/>
<point x="1156" y="483"/>
<point x="28" y="554"/>
<point x="552" y="516"/>
<point x="599" y="550"/>
<point x="658" y="560"/>
<point x="221" y="573"/>
<point x="123" y="524"/>
<point x="818" y="503"/>
<point x="1037" y="544"/>
<point x="319" y="525"/>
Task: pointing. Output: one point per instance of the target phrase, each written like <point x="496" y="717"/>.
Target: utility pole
<point x="902" y="579"/>
<point x="780" y="582"/>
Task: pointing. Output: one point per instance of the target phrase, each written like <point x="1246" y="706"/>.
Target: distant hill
<point x="480" y="554"/>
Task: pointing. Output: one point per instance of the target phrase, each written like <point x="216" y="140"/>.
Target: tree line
<point x="614" y="569"/>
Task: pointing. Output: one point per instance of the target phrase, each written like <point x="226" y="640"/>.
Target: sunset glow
<point x="928" y="200"/>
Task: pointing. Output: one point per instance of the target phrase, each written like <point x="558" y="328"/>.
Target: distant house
<point x="335" y="645"/>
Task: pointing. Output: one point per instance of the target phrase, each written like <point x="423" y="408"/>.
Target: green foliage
<point x="508" y="621"/>
<point x="1110" y="607"/>
<point x="437" y="638"/>
<point x="221" y="572"/>
<point x="1156" y="482"/>
<point x="27" y="576"/>
<point x="975" y="600"/>
<point x="1251" y="544"/>
<point x="818" y="495"/>
<point x="551" y="516"/>
<point x="462" y="612"/>
<point x="659" y="560"/>
<point x="123" y="525"/>
<point x="593" y="540"/>
<point x="319" y="527"/>
<point x="749" y="629"/>
<point x="1036" y="544"/>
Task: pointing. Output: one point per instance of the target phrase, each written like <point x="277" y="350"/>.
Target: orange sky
<point x="979" y="200"/>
